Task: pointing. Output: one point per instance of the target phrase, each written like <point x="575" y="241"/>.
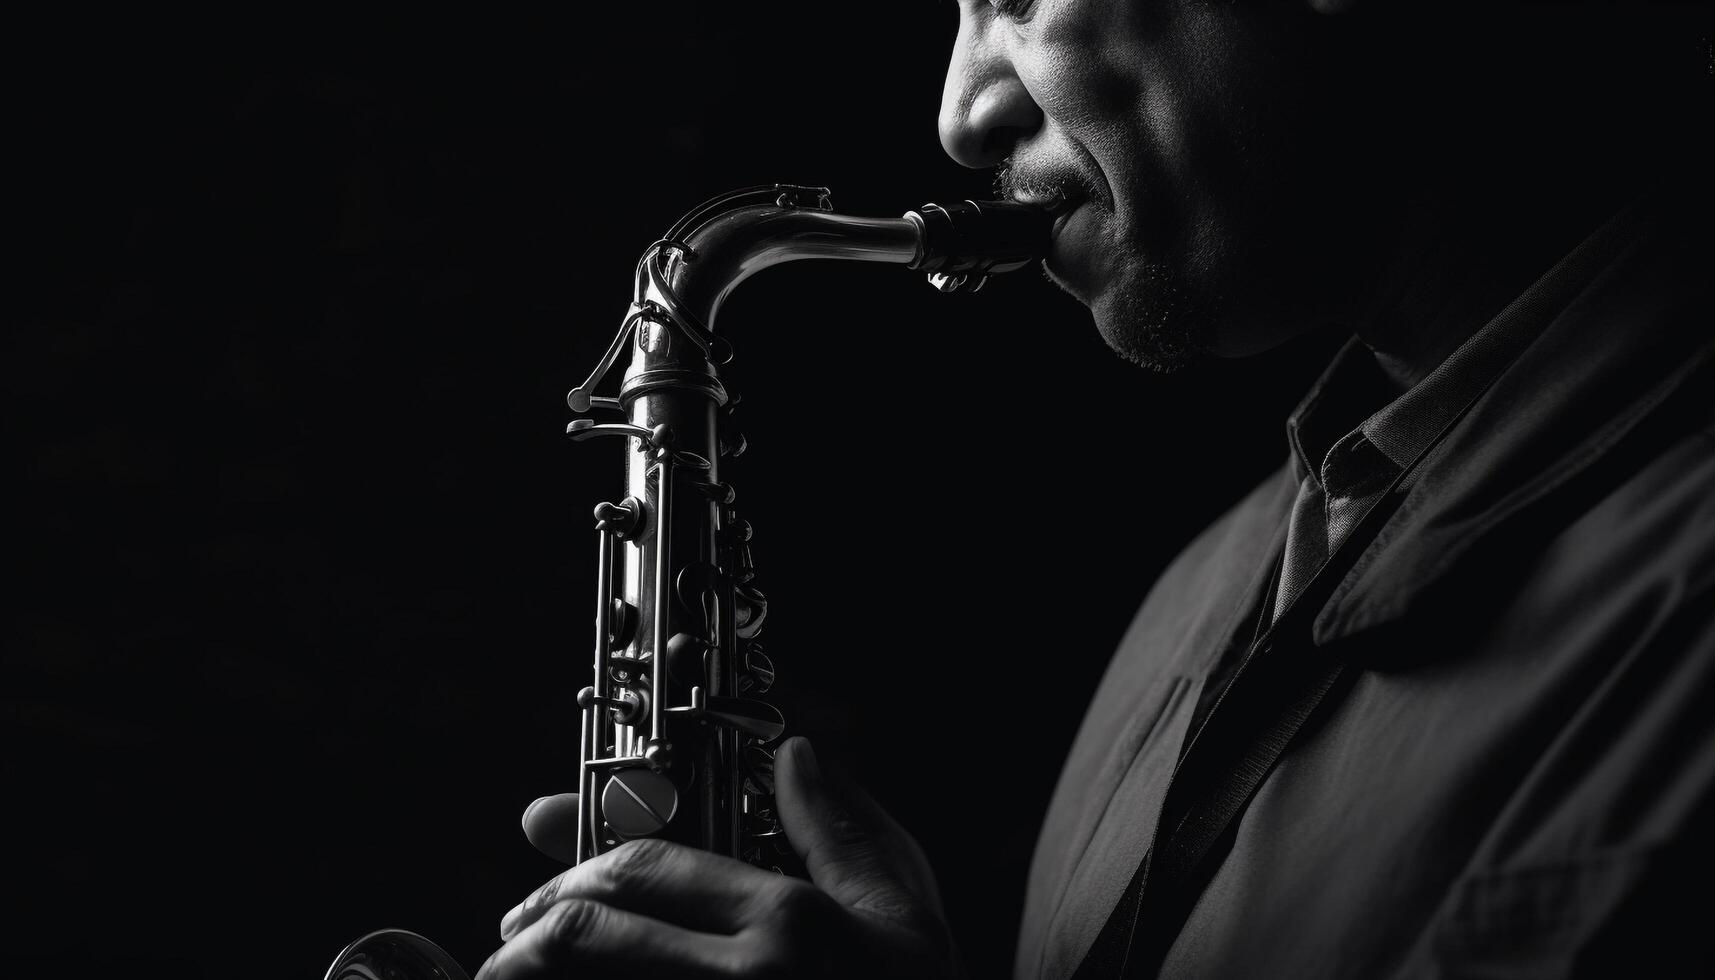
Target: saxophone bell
<point x="394" y="953"/>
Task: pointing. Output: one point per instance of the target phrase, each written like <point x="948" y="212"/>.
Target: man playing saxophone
<point x="1434" y="698"/>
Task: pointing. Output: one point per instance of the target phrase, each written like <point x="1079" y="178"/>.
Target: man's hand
<point x="655" y="909"/>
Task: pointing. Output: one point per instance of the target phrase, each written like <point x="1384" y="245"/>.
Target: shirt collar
<point x="1527" y="403"/>
<point x="1354" y="431"/>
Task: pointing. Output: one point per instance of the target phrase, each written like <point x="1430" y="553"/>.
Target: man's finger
<point x="670" y="881"/>
<point x="853" y="850"/>
<point x="551" y="826"/>
<point x="578" y="937"/>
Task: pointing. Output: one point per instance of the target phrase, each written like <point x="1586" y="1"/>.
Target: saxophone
<point x="674" y="736"/>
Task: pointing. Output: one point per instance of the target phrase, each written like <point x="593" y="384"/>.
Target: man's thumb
<point x="852" y="849"/>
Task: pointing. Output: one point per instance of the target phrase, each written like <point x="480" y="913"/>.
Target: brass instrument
<point x="674" y="738"/>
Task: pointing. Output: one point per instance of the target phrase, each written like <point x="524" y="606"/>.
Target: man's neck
<point x="1453" y="270"/>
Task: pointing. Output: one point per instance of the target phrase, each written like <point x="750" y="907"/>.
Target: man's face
<point x="1165" y="135"/>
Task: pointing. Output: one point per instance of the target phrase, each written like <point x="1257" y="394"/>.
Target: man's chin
<point x="1152" y="323"/>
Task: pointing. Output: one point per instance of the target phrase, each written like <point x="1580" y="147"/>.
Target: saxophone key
<point x="639" y="803"/>
<point x="758" y="673"/>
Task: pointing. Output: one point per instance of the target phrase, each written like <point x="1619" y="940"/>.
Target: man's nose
<point x="985" y="108"/>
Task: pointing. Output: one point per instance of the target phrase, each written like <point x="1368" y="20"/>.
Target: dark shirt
<point x="1517" y="778"/>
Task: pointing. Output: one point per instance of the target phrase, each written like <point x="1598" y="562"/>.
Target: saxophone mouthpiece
<point x="961" y="245"/>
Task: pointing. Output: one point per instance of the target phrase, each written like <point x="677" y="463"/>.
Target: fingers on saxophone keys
<point x="683" y="885"/>
<point x="601" y="940"/>
<point x="551" y="825"/>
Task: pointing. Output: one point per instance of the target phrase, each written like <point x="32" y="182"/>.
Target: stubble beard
<point x="1158" y="322"/>
<point x="1158" y="317"/>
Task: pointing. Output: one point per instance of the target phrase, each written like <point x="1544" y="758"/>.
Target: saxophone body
<point x="675" y="733"/>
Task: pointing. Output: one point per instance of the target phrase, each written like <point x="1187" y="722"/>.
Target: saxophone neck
<point x="737" y="244"/>
<point x="958" y="245"/>
<point x="685" y="277"/>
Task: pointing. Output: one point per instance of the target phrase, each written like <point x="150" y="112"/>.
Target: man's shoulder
<point x="1217" y="570"/>
<point x="1199" y="594"/>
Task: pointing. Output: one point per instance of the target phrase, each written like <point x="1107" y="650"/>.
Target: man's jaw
<point x="1145" y="312"/>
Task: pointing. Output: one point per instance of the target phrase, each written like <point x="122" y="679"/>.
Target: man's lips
<point x="1063" y="193"/>
<point x="1069" y="252"/>
<point x="1063" y="214"/>
<point x="1058" y="203"/>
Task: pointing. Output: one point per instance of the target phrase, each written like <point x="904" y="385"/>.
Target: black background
<point x="302" y="566"/>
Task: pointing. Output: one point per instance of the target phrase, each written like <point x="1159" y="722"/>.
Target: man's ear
<point x="1332" y="6"/>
